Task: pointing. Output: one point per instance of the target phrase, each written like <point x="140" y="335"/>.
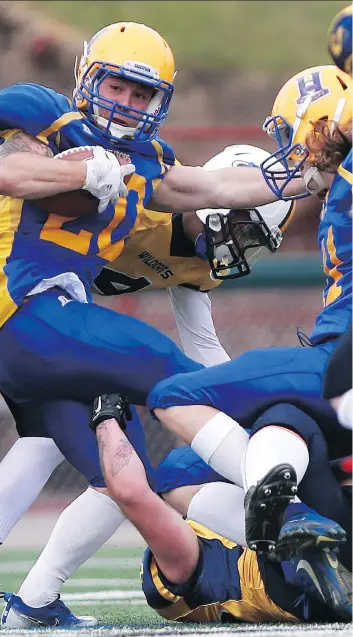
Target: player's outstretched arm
<point x="172" y="542"/>
<point x="28" y="171"/>
<point x="193" y="188"/>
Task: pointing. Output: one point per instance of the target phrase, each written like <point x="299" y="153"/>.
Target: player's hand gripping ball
<point x="106" y="180"/>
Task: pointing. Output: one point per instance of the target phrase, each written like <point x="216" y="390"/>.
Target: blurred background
<point x="232" y="57"/>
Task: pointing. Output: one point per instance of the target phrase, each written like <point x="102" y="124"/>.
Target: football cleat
<point x="308" y="529"/>
<point x="17" y="614"/>
<point x="319" y="573"/>
<point x="265" y="505"/>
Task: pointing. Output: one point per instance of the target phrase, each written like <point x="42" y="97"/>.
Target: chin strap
<point x="314" y="181"/>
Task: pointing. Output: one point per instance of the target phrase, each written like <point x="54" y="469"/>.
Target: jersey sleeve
<point x="30" y="107"/>
<point x="168" y="156"/>
<point x="175" y="602"/>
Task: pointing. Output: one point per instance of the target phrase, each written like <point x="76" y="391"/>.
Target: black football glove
<point x="110" y="406"/>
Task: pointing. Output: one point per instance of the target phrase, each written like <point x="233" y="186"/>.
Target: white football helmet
<point x="229" y="234"/>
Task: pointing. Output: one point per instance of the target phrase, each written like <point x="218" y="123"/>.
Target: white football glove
<point x="105" y="177"/>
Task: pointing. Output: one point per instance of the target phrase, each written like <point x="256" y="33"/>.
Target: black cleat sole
<point x="265" y="505"/>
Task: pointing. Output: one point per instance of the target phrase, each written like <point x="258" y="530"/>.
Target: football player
<point x="190" y="573"/>
<point x="311" y="123"/>
<point x="338" y="377"/>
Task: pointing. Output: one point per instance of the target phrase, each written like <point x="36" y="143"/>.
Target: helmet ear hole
<point x="342" y="82"/>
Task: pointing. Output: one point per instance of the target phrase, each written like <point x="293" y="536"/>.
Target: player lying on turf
<point x="183" y="403"/>
<point x="191" y="574"/>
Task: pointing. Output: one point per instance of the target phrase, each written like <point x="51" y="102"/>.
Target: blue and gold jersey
<point x="227" y="580"/>
<point x="335" y="240"/>
<point x="36" y="244"/>
<point x="157" y="256"/>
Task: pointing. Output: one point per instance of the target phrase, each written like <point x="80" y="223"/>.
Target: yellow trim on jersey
<point x="159" y="150"/>
<point x="203" y="614"/>
<point x="10" y="216"/>
<point x="335" y="289"/>
<point x="64" y="119"/>
<point x="255" y="604"/>
<point x="345" y="174"/>
<point x="179" y="610"/>
<point x="207" y="534"/>
<point x="178" y="607"/>
<point x="162" y="590"/>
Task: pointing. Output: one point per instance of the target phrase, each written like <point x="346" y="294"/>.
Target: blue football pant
<point x="246" y="385"/>
<point x="77" y="351"/>
<point x="66" y="422"/>
<point x="56" y="358"/>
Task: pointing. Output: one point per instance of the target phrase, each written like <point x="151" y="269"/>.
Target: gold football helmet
<point x="318" y="93"/>
<point x="134" y="52"/>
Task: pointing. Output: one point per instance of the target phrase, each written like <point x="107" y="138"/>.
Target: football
<point x="75" y="203"/>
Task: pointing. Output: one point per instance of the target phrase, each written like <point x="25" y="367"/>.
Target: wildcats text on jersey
<point x="158" y="255"/>
<point x="161" y="268"/>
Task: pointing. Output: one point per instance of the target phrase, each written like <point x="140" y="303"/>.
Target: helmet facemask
<point x="236" y="240"/>
<point x="147" y="122"/>
<point x="288" y="155"/>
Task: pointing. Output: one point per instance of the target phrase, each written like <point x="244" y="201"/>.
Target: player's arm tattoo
<point x="100" y="433"/>
<point x="22" y="142"/>
<point x="121" y="457"/>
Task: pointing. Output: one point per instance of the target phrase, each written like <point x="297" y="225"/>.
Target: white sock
<point x="23" y="473"/>
<point x="82" y="528"/>
<point x="221" y="443"/>
<point x="220" y="507"/>
<point x="271" y="446"/>
<point x="345" y="409"/>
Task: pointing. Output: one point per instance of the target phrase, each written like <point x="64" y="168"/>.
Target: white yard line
<point x="91" y="582"/>
<point x="107" y="563"/>
<point x="282" y="630"/>
<point x="94" y="596"/>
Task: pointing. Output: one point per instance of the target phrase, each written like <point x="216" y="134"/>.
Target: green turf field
<point x="283" y="35"/>
<point x="107" y="586"/>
